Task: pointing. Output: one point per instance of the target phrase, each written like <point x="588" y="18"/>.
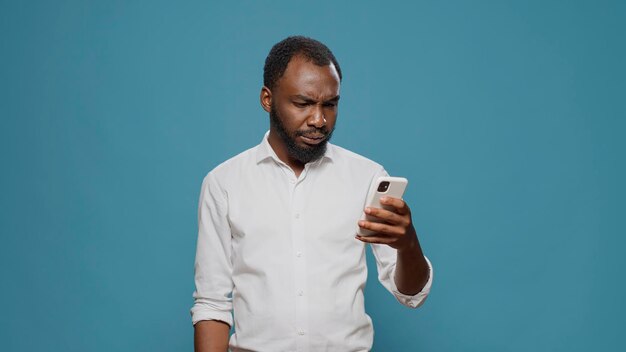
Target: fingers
<point x="376" y="239"/>
<point x="383" y="228"/>
<point x="396" y="225"/>
<point x="387" y="216"/>
<point x="401" y="207"/>
<point x="399" y="213"/>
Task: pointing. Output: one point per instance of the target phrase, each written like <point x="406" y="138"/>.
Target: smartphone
<point x="383" y="186"/>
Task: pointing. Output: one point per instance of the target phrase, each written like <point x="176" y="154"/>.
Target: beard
<point x="304" y="154"/>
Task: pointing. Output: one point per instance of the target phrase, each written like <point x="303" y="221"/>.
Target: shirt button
<point x="300" y="293"/>
<point x="300" y="331"/>
<point x="298" y="254"/>
<point x="297" y="216"/>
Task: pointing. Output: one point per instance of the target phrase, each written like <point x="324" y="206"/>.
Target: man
<point x="277" y="226"/>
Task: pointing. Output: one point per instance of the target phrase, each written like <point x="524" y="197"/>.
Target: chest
<point x="271" y="207"/>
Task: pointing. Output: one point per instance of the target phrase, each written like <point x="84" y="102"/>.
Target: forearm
<point x="411" y="268"/>
<point x="211" y="336"/>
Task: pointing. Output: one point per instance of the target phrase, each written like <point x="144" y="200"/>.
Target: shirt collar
<point x="265" y="151"/>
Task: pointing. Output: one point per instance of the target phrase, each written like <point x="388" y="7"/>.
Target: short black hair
<point x="282" y="52"/>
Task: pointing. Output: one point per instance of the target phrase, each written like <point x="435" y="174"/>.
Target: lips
<point x="313" y="139"/>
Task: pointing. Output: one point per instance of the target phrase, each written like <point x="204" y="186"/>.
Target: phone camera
<point x="383" y="186"/>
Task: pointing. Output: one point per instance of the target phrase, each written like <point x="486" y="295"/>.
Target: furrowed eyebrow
<point x="311" y="100"/>
<point x="303" y="98"/>
<point x="333" y="100"/>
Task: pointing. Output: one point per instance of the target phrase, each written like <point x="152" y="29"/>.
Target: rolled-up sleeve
<point x="213" y="266"/>
<point x="386" y="265"/>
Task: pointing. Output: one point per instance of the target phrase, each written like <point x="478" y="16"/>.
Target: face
<point x="303" y="110"/>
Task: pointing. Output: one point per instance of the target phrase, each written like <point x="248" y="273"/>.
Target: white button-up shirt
<point x="280" y="252"/>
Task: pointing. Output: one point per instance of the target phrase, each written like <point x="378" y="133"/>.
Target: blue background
<point x="506" y="117"/>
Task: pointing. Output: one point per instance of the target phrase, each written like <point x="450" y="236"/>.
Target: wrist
<point x="410" y="245"/>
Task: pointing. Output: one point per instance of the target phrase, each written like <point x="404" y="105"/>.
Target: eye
<point x="330" y="105"/>
<point x="300" y="104"/>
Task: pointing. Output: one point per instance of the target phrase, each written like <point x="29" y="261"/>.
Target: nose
<point x="317" y="118"/>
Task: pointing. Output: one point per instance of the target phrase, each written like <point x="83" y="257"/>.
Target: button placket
<point x="298" y="240"/>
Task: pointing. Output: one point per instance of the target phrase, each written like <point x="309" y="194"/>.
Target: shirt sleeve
<point x="386" y="265"/>
<point x="213" y="266"/>
<point x="386" y="258"/>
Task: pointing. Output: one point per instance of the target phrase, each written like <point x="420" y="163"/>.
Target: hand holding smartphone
<point x="383" y="186"/>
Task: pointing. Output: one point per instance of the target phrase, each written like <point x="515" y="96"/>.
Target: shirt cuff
<point x="417" y="299"/>
<point x="201" y="312"/>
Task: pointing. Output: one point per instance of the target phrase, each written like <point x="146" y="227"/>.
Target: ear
<point x="266" y="99"/>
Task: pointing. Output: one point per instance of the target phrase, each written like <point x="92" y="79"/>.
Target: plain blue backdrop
<point x="506" y="117"/>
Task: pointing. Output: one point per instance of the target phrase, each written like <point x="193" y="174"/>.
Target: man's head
<point x="282" y="52"/>
<point x="301" y="93"/>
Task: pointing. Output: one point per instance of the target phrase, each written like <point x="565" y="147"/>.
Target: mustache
<point x="314" y="132"/>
